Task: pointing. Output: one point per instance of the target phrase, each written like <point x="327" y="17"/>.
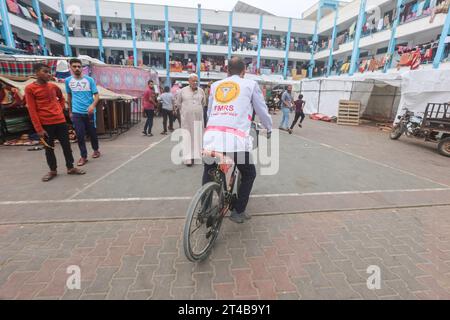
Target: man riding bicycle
<point x="232" y="103"/>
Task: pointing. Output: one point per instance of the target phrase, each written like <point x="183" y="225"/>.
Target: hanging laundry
<point x="13" y="7"/>
<point x="25" y="12"/>
<point x="380" y="25"/>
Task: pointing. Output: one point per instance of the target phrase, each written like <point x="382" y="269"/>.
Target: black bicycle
<point x="211" y="204"/>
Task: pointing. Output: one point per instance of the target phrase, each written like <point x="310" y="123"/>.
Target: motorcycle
<point x="434" y="126"/>
<point x="273" y="103"/>
<point x="410" y="124"/>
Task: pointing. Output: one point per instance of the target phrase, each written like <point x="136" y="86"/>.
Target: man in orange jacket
<point x="46" y="103"/>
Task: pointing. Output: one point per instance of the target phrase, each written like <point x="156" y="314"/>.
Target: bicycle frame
<point x="228" y="186"/>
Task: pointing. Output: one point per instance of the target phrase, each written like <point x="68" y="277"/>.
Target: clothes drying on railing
<point x="13" y="6"/>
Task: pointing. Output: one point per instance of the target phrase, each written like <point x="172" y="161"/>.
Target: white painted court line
<point x="374" y="161"/>
<point x="118" y="168"/>
<point x="153" y="199"/>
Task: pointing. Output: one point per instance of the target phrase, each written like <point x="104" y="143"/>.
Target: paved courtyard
<point x="344" y="199"/>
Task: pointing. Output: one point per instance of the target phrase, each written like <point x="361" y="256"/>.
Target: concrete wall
<point x="348" y="13"/>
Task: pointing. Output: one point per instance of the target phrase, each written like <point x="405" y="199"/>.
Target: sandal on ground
<point x="96" y="155"/>
<point x="49" y="176"/>
<point x="75" y="171"/>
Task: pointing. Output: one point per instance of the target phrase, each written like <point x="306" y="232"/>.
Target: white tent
<point x="424" y="86"/>
<point x="382" y="95"/>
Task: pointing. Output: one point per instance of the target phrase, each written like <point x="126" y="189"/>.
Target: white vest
<point x="230" y="115"/>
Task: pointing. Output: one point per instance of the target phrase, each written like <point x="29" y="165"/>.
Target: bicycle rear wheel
<point x="203" y="222"/>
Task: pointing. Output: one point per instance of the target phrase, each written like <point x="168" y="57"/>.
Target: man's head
<point x="289" y="88"/>
<point x="193" y="81"/>
<point x="236" y="67"/>
<point x="300" y="97"/>
<point x="166" y="89"/>
<point x="42" y="72"/>
<point x="76" y="66"/>
<point x="150" y="84"/>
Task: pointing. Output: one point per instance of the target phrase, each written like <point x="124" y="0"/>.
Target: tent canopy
<point x="103" y="93"/>
<point x="417" y="87"/>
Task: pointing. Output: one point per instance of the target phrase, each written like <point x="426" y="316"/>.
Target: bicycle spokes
<point x="203" y="223"/>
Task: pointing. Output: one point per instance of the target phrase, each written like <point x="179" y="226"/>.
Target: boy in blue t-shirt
<point x="83" y="98"/>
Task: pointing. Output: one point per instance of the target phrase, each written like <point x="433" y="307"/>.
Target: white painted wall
<point x="299" y="56"/>
<point x="303" y="26"/>
<point x="150" y="13"/>
<point x="215" y="50"/>
<point x="23" y="24"/>
<point x="247" y="21"/>
<point x="84" y="42"/>
<point x="348" y="13"/>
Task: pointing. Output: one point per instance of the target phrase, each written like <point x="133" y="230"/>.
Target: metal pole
<point x="166" y="39"/>
<point x="315" y="40"/>
<point x="199" y="42"/>
<point x="230" y="34"/>
<point x="320" y="93"/>
<point x="393" y="102"/>
<point x="258" y="59"/>
<point x="359" y="26"/>
<point x="37" y="10"/>
<point x="393" y="40"/>
<point x="441" y="48"/>
<point x="133" y="31"/>
<point x="67" y="48"/>
<point x="333" y="41"/>
<point x="6" y="26"/>
<point x="99" y="31"/>
<point x="288" y="44"/>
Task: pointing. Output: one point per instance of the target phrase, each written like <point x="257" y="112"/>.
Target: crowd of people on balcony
<point x="273" y="42"/>
<point x="152" y="33"/>
<point x="245" y="41"/>
<point x="208" y="64"/>
<point x="300" y="44"/>
<point x="30" y="47"/>
<point x="409" y="12"/>
<point x="404" y="56"/>
<point x="249" y="41"/>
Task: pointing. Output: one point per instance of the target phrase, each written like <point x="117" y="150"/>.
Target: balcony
<point x="300" y="45"/>
<point x="151" y="33"/>
<point x="118" y="35"/>
<point x="273" y="42"/>
<point x="27" y="12"/>
<point x="214" y="37"/>
<point x="183" y="35"/>
<point x="407" y="28"/>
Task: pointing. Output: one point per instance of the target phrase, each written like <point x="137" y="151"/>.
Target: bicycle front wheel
<point x="203" y="222"/>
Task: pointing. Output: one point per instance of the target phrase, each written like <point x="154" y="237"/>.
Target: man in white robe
<point x="190" y="101"/>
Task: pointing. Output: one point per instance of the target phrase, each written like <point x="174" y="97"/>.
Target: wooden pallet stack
<point x="349" y="113"/>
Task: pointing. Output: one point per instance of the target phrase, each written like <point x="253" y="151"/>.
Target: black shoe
<point x="150" y="134"/>
<point x="300" y="125"/>
<point x="164" y="133"/>
<point x="144" y="133"/>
